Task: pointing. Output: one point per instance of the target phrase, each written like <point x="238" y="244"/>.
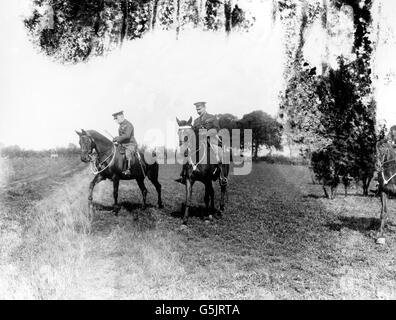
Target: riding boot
<point x="222" y="178"/>
<point x="128" y="170"/>
<point x="182" y="178"/>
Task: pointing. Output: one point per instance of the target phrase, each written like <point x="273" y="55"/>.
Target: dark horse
<point x="108" y="164"/>
<point x="202" y="171"/>
<point x="386" y="168"/>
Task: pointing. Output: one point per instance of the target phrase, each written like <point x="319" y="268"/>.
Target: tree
<point x="300" y="111"/>
<point x="266" y="131"/>
<point x="334" y="110"/>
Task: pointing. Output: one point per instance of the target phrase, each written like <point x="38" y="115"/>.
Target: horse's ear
<point x="178" y="121"/>
<point x="79" y="133"/>
<point x="189" y="122"/>
<point x="83" y="132"/>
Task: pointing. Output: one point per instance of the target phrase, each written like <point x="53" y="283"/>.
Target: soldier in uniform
<point x="211" y="124"/>
<point x="126" y="138"/>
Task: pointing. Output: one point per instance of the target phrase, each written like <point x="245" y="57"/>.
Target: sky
<point x="154" y="80"/>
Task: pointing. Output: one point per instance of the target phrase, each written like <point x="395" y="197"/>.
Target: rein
<point x="197" y="151"/>
<point x="199" y="162"/>
<point x="381" y="170"/>
<point x="94" y="167"/>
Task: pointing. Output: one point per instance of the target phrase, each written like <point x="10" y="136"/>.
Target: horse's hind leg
<point x="223" y="189"/>
<point x="384" y="211"/>
<point x="143" y="189"/>
<point x="157" y="185"/>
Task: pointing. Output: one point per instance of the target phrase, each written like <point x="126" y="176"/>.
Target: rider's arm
<point x="126" y="135"/>
<point x="212" y="125"/>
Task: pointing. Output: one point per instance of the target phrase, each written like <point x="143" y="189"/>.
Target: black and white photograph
<point x="197" y="150"/>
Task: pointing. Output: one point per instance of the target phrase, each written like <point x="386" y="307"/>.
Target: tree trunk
<point x="274" y="11"/>
<point x="256" y="147"/>
<point x="154" y="14"/>
<point x="150" y="15"/>
<point x="325" y="62"/>
<point x="228" y="15"/>
<point x="124" y="23"/>
<point x="200" y="5"/>
<point x="95" y="33"/>
<point x="177" y="20"/>
<point x="303" y="27"/>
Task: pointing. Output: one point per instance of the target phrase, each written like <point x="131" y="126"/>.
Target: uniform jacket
<point x="206" y="121"/>
<point x="126" y="133"/>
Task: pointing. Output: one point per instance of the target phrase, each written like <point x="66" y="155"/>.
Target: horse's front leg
<point x="116" y="184"/>
<point x="188" y="200"/>
<point x="223" y="189"/>
<point x="157" y="185"/>
<point x="206" y="199"/>
<point x="95" y="181"/>
<point x="212" y="206"/>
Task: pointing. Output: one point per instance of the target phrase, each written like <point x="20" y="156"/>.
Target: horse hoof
<point x="380" y="241"/>
<point x="183" y="226"/>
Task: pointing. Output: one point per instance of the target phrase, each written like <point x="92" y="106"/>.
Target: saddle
<point x="121" y="149"/>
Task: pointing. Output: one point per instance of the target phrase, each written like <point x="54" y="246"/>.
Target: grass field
<point x="278" y="239"/>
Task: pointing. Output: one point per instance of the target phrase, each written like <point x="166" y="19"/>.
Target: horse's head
<point x="185" y="130"/>
<point x="87" y="145"/>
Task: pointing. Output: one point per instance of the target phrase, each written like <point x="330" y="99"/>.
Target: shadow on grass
<point x="313" y="196"/>
<point x="128" y="206"/>
<point x="361" y="224"/>
<point x="195" y="211"/>
<point x="109" y="216"/>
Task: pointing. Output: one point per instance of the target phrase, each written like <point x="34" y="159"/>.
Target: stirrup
<point x="181" y="180"/>
<point x="127" y="172"/>
<point x="223" y="181"/>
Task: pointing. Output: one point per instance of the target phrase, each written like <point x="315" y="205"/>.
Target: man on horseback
<point x="211" y="124"/>
<point x="126" y="138"/>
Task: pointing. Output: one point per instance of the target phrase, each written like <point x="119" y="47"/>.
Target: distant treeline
<point x="17" y="152"/>
<point x="266" y="133"/>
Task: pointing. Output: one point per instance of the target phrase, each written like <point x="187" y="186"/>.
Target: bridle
<point x="93" y="158"/>
<point x="189" y="150"/>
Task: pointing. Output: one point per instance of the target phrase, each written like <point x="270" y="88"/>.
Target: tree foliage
<point x="79" y="30"/>
<point x="266" y="131"/>
<point x="335" y="110"/>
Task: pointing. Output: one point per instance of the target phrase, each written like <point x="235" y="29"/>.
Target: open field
<point x="279" y="239"/>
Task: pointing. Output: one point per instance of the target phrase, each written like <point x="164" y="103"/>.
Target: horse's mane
<point x="98" y="137"/>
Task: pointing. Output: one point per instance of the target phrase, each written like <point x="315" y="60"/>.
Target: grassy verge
<point x="279" y="239"/>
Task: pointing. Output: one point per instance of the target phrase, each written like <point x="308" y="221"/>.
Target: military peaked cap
<point x="200" y="103"/>
<point x="117" y="114"/>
